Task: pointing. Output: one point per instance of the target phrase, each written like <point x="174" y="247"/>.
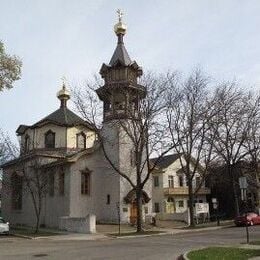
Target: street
<point x="155" y="247"/>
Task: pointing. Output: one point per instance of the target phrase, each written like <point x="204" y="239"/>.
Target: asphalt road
<point x="155" y="247"/>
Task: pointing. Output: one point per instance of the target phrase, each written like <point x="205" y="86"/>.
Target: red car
<point x="250" y="219"/>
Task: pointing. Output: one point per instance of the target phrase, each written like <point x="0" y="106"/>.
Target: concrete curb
<point x="134" y="236"/>
<point x="185" y="256"/>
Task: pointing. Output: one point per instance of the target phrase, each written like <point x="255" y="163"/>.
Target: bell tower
<point x="121" y="93"/>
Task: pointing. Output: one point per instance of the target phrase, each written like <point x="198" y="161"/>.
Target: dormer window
<point x="26" y="143"/>
<point x="81" y="140"/>
<point x="50" y="139"/>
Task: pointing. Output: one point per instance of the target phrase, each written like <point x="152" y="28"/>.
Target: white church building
<point x="80" y="179"/>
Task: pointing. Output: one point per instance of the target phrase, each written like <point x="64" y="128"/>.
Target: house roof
<point x="165" y="161"/>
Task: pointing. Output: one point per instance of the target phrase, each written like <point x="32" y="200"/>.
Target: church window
<point x="81" y="140"/>
<point x="17" y="191"/>
<point x="61" y="182"/>
<point x="51" y="184"/>
<point x="26" y="143"/>
<point x="50" y="139"/>
<point x="108" y="199"/>
<point x="156" y="181"/>
<point x="156" y="207"/>
<point x="85" y="182"/>
<point x="133" y="157"/>
<point x="170" y="181"/>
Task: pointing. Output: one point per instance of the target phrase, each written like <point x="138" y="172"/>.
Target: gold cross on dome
<point x="120" y="14"/>
<point x="64" y="80"/>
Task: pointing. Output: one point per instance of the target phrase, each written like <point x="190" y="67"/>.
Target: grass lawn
<point x="123" y="234"/>
<point x="26" y="231"/>
<point x="223" y="253"/>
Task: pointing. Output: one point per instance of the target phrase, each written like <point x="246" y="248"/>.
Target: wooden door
<point x="133" y="213"/>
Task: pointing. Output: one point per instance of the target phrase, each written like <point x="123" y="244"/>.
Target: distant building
<point x="170" y="190"/>
<point x="80" y="179"/>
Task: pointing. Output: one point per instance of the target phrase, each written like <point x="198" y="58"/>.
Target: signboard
<point x="242" y="183"/>
<point x="201" y="208"/>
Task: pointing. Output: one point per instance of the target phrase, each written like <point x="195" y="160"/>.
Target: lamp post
<point x="216" y="208"/>
<point x="243" y="187"/>
<point x="119" y="217"/>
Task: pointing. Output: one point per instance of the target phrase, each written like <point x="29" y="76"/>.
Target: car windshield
<point x="2" y="221"/>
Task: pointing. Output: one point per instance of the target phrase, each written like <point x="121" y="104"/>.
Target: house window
<point x="50" y="139"/>
<point x="156" y="181"/>
<point x="170" y="199"/>
<point x="181" y="204"/>
<point x="26" y="143"/>
<point x="197" y="181"/>
<point x="51" y="184"/>
<point x="61" y="183"/>
<point x="181" y="181"/>
<point x="170" y="181"/>
<point x="156" y="207"/>
<point x="85" y="183"/>
<point x="108" y="199"/>
<point x="81" y="140"/>
<point x="17" y="191"/>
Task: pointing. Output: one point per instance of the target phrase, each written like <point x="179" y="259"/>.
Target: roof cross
<point x="120" y="15"/>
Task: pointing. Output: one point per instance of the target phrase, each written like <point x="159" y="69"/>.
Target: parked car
<point x="4" y="226"/>
<point x="250" y="219"/>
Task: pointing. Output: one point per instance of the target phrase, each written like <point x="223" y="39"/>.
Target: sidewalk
<point x="106" y="231"/>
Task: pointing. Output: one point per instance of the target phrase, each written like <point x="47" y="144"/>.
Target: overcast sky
<point x="56" y="38"/>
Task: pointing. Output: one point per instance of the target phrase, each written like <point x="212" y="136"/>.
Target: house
<point x="170" y="190"/>
<point x="80" y="180"/>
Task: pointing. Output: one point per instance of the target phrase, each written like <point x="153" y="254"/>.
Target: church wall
<point x="103" y="182"/>
<point x="52" y="207"/>
<point x="72" y="136"/>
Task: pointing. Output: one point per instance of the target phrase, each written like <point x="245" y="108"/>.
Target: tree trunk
<point x="191" y="200"/>
<point x="38" y="216"/>
<point x="236" y="204"/>
<point x="139" y="219"/>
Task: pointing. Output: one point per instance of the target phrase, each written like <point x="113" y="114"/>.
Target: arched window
<point x="49" y="139"/>
<point x="26" y="143"/>
<point x="81" y="140"/>
<point x="17" y="191"/>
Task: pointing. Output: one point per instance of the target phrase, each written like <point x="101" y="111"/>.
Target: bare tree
<point x="8" y="149"/>
<point x="142" y="129"/>
<point x="252" y="145"/>
<point x="231" y="125"/>
<point x="189" y="114"/>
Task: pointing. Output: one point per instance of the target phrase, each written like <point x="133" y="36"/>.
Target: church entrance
<point x="133" y="213"/>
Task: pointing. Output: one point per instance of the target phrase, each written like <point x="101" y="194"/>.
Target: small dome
<point x="63" y="92"/>
<point x="120" y="28"/>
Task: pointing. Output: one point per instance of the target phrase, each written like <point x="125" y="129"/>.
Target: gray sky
<point x="58" y="38"/>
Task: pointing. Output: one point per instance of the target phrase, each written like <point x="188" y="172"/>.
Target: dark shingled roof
<point x="63" y="116"/>
<point x="165" y="161"/>
<point x="120" y="56"/>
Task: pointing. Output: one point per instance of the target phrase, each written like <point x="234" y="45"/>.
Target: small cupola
<point x="63" y="95"/>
